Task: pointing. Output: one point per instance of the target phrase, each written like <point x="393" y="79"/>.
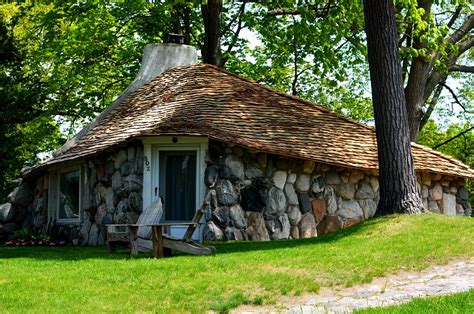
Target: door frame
<point x="151" y="148"/>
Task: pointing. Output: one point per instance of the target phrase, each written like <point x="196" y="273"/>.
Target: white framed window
<point x="65" y="194"/>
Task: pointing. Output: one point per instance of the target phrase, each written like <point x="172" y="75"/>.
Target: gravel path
<point x="396" y="289"/>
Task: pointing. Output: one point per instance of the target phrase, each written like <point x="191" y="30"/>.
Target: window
<point x="177" y="184"/>
<point x="65" y="195"/>
<point x="69" y="195"/>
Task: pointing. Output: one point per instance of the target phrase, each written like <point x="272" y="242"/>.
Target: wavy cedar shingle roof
<point x="207" y="101"/>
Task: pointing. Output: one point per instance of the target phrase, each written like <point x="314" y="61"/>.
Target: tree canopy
<point x="65" y="61"/>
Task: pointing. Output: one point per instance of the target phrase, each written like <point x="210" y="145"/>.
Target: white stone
<point x="235" y="165"/>
<point x="449" y="204"/>
<point x="279" y="179"/>
<point x="374" y="183"/>
<point x="291" y="178"/>
<point x="302" y="183"/>
<point x="368" y="207"/>
<point x="276" y="203"/>
<point x="331" y="201"/>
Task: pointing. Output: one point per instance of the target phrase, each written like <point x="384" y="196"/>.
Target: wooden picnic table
<point x="156" y="236"/>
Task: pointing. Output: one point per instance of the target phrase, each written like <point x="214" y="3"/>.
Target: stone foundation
<point x="259" y="196"/>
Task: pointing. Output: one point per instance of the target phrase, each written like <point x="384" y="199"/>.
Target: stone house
<point x="282" y="167"/>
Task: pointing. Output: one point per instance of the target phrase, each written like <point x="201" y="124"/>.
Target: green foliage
<point x="85" y="279"/>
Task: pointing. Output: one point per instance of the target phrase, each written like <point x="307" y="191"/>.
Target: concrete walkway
<point x="401" y="288"/>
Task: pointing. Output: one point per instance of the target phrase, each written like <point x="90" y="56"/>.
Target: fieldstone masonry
<point x="258" y="196"/>
<point x="268" y="197"/>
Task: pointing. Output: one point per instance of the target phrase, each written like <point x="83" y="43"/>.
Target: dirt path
<point x="400" y="288"/>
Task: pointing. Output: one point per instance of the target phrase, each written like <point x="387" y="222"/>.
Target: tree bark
<point x="211" y="14"/>
<point x="398" y="190"/>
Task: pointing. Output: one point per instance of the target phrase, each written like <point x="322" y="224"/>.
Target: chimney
<point x="157" y="58"/>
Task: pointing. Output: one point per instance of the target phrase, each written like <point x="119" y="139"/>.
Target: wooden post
<point x="157" y="239"/>
<point x="132" y="235"/>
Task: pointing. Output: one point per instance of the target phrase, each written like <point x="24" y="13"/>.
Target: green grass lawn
<point x="65" y="279"/>
<point x="456" y="303"/>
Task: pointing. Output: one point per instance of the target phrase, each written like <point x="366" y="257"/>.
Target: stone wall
<point x="258" y="196"/>
<point x="111" y="193"/>
<point x="261" y="196"/>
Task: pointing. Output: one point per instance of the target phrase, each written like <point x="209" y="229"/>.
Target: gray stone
<point x="356" y="176"/>
<point x="212" y="233"/>
<point x="100" y="214"/>
<point x="133" y="183"/>
<point x="120" y="213"/>
<point x="279" y="179"/>
<point x="10" y="227"/>
<point x="291" y="178"/>
<point x="424" y="191"/>
<point x="318" y="185"/>
<point x="237" y="215"/>
<point x="117" y="181"/>
<point x="7" y="212"/>
<point x="463" y="194"/>
<point x="364" y="191"/>
<point x="305" y="202"/>
<point x="109" y="168"/>
<point x="120" y="158"/>
<point x="279" y="227"/>
<point x="459" y="209"/>
<point x="331" y="201"/>
<point x="236" y="234"/>
<point x="437" y="192"/>
<point x="256" y="227"/>
<point x="235" y="166"/>
<point x="276" y="203"/>
<point x="94" y="235"/>
<point x="449" y="204"/>
<point x="302" y="183"/>
<point x="374" y="184"/>
<point x="307" y="226"/>
<point x="220" y="216"/>
<point x="254" y="172"/>
<point x="333" y="178"/>
<point x="210" y="175"/>
<point x="291" y="194"/>
<point x="135" y="202"/>
<point x="467" y="209"/>
<point x="368" y="207"/>
<point x="350" y="209"/>
<point x="84" y="230"/>
<point x="294" y="215"/>
<point x="226" y="193"/>
<point x="127" y="168"/>
<point x="346" y="191"/>
<point x="109" y="199"/>
<point x="21" y="195"/>
<point x="433" y="207"/>
<point x="131" y="151"/>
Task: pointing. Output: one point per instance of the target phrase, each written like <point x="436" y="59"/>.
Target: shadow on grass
<point x="100" y="252"/>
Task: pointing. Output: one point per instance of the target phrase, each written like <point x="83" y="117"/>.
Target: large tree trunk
<point x="211" y="14"/>
<point x="398" y="191"/>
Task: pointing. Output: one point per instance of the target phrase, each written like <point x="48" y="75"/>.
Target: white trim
<point x="151" y="148"/>
<point x="54" y="189"/>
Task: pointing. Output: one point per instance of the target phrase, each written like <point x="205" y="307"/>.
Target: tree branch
<point x="458" y="34"/>
<point x="454" y="17"/>
<point x="461" y="68"/>
<point x="319" y="11"/>
<point x="454" y="137"/>
<point x="456" y="99"/>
